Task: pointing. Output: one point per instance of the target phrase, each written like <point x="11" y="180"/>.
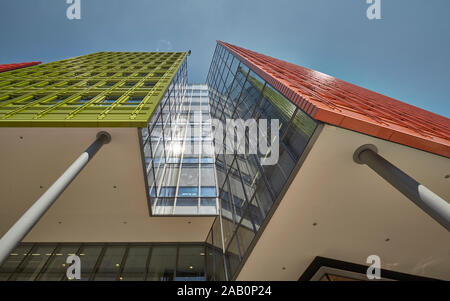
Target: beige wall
<point x="355" y="211"/>
<point x="91" y="209"/>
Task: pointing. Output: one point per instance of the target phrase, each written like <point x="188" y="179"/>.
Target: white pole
<point x="21" y="228"/>
<point x="435" y="206"/>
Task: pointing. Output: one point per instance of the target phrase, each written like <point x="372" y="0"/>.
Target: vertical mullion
<point x="176" y="262"/>
<point x="19" y="267"/>
<point x="213" y="247"/>
<point x="147" y="263"/>
<point x="57" y="247"/>
<point x="223" y="243"/>
<point x="200" y="97"/>
<point x="205" y="270"/>
<point x="211" y="66"/>
<point x="97" y="264"/>
<point x="122" y="263"/>
<point x="182" y="151"/>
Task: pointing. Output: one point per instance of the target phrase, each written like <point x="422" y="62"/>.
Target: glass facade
<point x="187" y="175"/>
<point x="178" y="152"/>
<point x="103" y="262"/>
<point x="248" y="189"/>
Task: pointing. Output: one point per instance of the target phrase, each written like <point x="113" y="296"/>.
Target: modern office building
<point x="339" y="174"/>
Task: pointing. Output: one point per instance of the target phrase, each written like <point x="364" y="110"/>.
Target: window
<point x="164" y="206"/>
<point x="13" y="261"/>
<point x="206" y="191"/>
<point x="188" y="191"/>
<point x="207" y="160"/>
<point x="89" y="256"/>
<point x="167" y="192"/>
<point x="56" y="269"/>
<point x="161" y="160"/>
<point x="208" y="177"/>
<point x="33" y="264"/>
<point x="173" y="160"/>
<point x="191" y="264"/>
<point x="149" y="84"/>
<point x="135" y="266"/>
<point x="170" y="175"/>
<point x="132" y="261"/>
<point x="132" y="101"/>
<point x="190" y="160"/>
<point x="186" y="206"/>
<point x="189" y="175"/>
<point x="162" y="264"/>
<point x="108" y="100"/>
<point x="110" y="264"/>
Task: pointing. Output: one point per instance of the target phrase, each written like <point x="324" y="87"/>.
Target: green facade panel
<point x="104" y="89"/>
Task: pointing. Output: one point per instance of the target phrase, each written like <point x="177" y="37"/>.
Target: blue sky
<point x="405" y="55"/>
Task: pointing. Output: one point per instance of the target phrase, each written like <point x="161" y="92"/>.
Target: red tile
<point x="340" y="103"/>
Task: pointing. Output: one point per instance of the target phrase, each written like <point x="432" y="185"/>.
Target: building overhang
<point x="107" y="201"/>
<point x="338" y="209"/>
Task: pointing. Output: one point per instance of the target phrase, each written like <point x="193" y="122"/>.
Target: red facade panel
<point x="8" y="67"/>
<point x="343" y="104"/>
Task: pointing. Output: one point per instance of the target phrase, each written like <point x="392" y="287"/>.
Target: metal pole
<point x="21" y="228"/>
<point x="427" y="200"/>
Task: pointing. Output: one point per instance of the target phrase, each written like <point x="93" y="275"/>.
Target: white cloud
<point x="163" y="45"/>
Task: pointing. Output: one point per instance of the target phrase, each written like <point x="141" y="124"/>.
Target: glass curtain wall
<point x="248" y="189"/>
<point x="178" y="152"/>
<point x="105" y="262"/>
